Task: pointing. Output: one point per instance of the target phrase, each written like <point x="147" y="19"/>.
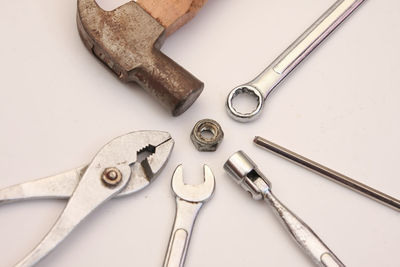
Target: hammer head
<point x="128" y="40"/>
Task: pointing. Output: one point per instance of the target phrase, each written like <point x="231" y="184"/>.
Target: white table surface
<point x="59" y="105"/>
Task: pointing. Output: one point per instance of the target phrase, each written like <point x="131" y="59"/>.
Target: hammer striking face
<point x="128" y="40"/>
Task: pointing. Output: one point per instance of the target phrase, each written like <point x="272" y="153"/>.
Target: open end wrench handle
<point x="262" y="86"/>
<point x="186" y="213"/>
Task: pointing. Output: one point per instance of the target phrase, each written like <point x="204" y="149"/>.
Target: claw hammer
<point x="128" y="40"/>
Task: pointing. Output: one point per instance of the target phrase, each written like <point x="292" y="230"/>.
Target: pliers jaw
<point x="144" y="152"/>
<point x="151" y="159"/>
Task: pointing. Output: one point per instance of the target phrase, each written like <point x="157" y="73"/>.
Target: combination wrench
<point x="189" y="200"/>
<point x="262" y="86"/>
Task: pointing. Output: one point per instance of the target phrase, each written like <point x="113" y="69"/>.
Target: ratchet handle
<point x="186" y="213"/>
<point x="304" y="235"/>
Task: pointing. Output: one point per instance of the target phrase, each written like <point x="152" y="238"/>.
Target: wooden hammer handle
<point x="172" y="14"/>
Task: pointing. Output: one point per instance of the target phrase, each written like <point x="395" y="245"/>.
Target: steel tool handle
<point x="181" y="232"/>
<point x="59" y="186"/>
<point x="303" y="235"/>
<point x="304" y="45"/>
<point x="79" y="206"/>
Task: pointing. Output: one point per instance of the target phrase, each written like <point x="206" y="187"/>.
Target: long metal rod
<point x="329" y="173"/>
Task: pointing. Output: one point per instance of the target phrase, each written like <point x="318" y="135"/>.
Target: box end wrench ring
<point x="262" y="86"/>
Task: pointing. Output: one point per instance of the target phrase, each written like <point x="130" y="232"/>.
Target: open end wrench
<point x="262" y="86"/>
<point x="189" y="200"/>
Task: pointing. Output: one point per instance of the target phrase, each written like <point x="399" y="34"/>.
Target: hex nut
<point x="199" y="139"/>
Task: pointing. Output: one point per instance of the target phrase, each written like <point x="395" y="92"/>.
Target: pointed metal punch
<point x="124" y="166"/>
<point x="326" y="172"/>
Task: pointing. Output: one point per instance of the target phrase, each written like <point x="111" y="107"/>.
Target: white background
<point x="59" y="105"/>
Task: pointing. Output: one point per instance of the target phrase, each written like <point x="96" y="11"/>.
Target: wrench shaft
<point x="186" y="214"/>
<point x="262" y="86"/>
<point x="304" y="45"/>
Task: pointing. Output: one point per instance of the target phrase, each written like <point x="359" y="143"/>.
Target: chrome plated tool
<point x="246" y="173"/>
<point x="262" y="86"/>
<point x="189" y="200"/>
<point x="329" y="173"/>
<point x="124" y="166"/>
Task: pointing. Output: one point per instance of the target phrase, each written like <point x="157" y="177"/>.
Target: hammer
<point x="128" y="40"/>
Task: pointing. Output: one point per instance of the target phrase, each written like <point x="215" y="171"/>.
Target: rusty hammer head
<point x="128" y="40"/>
